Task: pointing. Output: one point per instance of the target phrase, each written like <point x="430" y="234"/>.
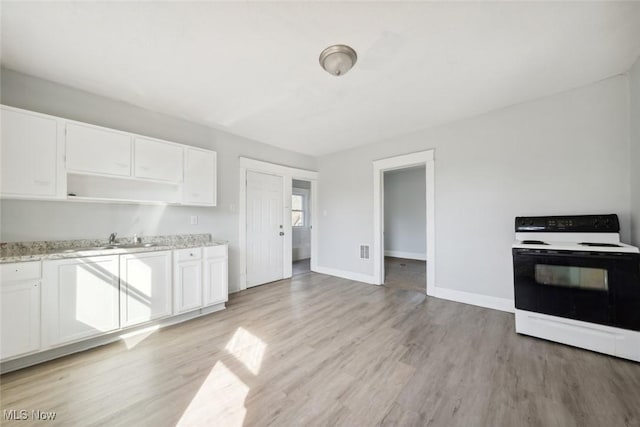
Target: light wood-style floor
<point x="318" y="350"/>
<point x="301" y="266"/>
<point x="407" y="274"/>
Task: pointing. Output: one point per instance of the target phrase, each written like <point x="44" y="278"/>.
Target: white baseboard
<point x="358" y="277"/>
<point x="495" y="303"/>
<point x="406" y="255"/>
<point x="502" y="304"/>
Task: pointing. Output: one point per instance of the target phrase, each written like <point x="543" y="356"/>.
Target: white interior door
<point x="265" y="228"/>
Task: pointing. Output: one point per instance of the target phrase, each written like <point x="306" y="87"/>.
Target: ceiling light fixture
<point x="338" y="59"/>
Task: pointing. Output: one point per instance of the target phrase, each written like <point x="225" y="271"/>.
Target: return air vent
<point x="364" y="251"/>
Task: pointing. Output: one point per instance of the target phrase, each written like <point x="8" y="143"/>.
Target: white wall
<point x="564" y="154"/>
<point x="405" y="213"/>
<point x="32" y="220"/>
<point x="634" y="86"/>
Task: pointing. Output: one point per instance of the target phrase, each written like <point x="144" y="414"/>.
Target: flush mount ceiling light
<point x="338" y="59"/>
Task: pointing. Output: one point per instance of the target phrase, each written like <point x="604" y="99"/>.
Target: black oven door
<point x="597" y="287"/>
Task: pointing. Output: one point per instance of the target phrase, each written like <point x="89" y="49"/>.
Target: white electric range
<point x="576" y="283"/>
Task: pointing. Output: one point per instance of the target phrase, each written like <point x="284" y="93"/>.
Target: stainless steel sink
<point x="107" y="247"/>
<point x="133" y="245"/>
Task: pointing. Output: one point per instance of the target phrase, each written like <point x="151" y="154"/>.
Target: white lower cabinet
<point x="215" y="281"/>
<point x="80" y="299"/>
<point x="200" y="278"/>
<point x="46" y="304"/>
<point x="187" y="282"/>
<point x="19" y="309"/>
<point x="145" y="287"/>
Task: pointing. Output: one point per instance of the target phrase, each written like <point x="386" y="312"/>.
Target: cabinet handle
<point x="122" y="165"/>
<point x="144" y="168"/>
<point x="195" y="194"/>
<point x="41" y="182"/>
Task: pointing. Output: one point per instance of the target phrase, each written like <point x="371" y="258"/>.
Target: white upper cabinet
<point x="97" y="150"/>
<point x="46" y="157"/>
<point x="158" y="160"/>
<point x="199" y="177"/>
<point x="29" y="155"/>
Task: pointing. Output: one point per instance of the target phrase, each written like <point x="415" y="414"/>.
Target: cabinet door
<point x="199" y="177"/>
<point x="79" y="298"/>
<point x="97" y="150"/>
<point x="29" y="154"/>
<point x="215" y="283"/>
<point x="187" y="286"/>
<point x="158" y="160"/>
<point x="20" y="315"/>
<point x="145" y="287"/>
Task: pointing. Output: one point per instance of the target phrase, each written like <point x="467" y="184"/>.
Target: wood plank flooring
<point x="317" y="350"/>
<point x="407" y="274"/>
<point x="301" y="266"/>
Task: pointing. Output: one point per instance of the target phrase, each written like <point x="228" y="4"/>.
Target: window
<point x="573" y="277"/>
<point x="297" y="210"/>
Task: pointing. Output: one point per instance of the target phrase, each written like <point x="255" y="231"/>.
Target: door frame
<point x="425" y="158"/>
<point x="288" y="174"/>
<point x="306" y="193"/>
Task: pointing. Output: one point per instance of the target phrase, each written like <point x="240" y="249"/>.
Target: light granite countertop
<point x="61" y="249"/>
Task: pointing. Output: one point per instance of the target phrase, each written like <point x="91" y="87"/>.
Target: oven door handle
<point x="580" y="254"/>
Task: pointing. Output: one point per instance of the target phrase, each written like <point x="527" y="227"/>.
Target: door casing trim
<point x="425" y="158"/>
<point x="289" y="174"/>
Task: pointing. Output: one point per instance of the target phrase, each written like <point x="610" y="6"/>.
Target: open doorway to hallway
<point x="405" y="221"/>
<point x="301" y="226"/>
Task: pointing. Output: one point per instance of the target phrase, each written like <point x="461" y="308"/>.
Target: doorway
<point x="423" y="158"/>
<point x="405" y="245"/>
<point x="265" y="177"/>
<point x="301" y="226"/>
<point x="265" y="228"/>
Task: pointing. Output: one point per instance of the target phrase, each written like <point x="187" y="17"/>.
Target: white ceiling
<point x="252" y="68"/>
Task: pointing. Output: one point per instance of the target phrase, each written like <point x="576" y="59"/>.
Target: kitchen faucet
<point x="112" y="238"/>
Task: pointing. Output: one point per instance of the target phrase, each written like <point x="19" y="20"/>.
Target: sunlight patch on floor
<point x="219" y="401"/>
<point x="132" y="339"/>
<point x="248" y="349"/>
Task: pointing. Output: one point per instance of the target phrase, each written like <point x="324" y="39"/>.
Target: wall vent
<point x="364" y="251"/>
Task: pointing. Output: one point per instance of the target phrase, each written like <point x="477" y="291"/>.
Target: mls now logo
<point x="15" y="414"/>
<point x="23" y="414"/>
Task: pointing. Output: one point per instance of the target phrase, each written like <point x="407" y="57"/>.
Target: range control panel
<point x="569" y="223"/>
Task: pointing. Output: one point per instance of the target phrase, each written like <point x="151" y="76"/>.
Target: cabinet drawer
<point x="20" y="271"/>
<point x="215" y="251"/>
<point x="188" y="254"/>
